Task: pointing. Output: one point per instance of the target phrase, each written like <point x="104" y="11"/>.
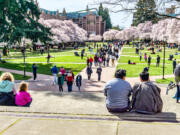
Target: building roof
<point x="80" y="14"/>
<point x="73" y="15"/>
<point x="47" y="11"/>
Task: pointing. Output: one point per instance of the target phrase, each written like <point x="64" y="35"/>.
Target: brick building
<point x="87" y="19"/>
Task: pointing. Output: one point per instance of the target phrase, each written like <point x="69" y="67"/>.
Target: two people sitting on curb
<point x="145" y="99"/>
<point x="8" y="94"/>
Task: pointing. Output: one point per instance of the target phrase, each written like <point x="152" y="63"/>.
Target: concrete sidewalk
<point x="85" y="113"/>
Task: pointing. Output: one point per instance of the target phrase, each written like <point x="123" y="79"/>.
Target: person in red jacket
<point x="91" y="61"/>
<point x="70" y="79"/>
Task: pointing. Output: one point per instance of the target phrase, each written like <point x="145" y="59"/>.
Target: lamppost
<point x="23" y="51"/>
<point x="164" y="56"/>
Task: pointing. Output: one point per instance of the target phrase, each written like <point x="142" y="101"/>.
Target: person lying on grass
<point x="131" y="63"/>
<point x="23" y="98"/>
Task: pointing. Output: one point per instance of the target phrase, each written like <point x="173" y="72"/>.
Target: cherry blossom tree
<point x="94" y="37"/>
<point x="65" y="31"/>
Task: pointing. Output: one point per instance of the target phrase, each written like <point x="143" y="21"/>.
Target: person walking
<point x="158" y="61"/>
<point x="99" y="71"/>
<point x="60" y="81"/>
<point x="100" y="61"/>
<point x="54" y="71"/>
<point x="82" y="54"/>
<point x="107" y="60"/>
<point x="145" y="56"/>
<point x="104" y="60"/>
<point x="91" y="61"/>
<point x="48" y="58"/>
<point x="140" y="56"/>
<point x="34" y="67"/>
<point x="113" y="60"/>
<point x="95" y="60"/>
<point x="78" y="81"/>
<point x="174" y="64"/>
<point x="89" y="72"/>
<point x="149" y="61"/>
<point x="87" y="61"/>
<point x="70" y="80"/>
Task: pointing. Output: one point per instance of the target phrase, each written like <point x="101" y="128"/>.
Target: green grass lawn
<point x="135" y="70"/>
<point x="165" y="81"/>
<point x="44" y="68"/>
<point x="16" y="61"/>
<point x="18" y="77"/>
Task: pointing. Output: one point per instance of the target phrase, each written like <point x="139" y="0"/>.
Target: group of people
<point x="61" y="75"/>
<point x="102" y="58"/>
<point x="8" y="94"/>
<point x="143" y="97"/>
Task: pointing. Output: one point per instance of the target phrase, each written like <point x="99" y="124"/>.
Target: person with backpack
<point x="99" y="71"/>
<point x="60" y="81"/>
<point x="146" y="96"/>
<point x="78" y="81"/>
<point x="89" y="72"/>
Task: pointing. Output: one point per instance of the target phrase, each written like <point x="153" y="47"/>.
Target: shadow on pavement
<point x="160" y="117"/>
<point x="78" y="96"/>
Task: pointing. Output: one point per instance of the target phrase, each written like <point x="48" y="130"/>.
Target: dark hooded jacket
<point x="146" y="98"/>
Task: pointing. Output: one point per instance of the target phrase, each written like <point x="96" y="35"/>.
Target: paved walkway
<point x="84" y="113"/>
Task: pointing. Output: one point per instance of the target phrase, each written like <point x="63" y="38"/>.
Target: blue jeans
<point x="70" y="88"/>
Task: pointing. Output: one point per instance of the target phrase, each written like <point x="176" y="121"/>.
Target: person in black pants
<point x="60" y="81"/>
<point x="78" y="81"/>
<point x="158" y="61"/>
<point x="89" y="72"/>
<point x="99" y="71"/>
<point x="34" y="67"/>
<point x="149" y="61"/>
<point x="174" y="64"/>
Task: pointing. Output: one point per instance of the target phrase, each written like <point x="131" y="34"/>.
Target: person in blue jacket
<point x="7" y="89"/>
<point x="54" y="71"/>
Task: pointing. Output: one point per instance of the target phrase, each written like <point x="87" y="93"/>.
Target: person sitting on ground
<point x="171" y="57"/>
<point x="76" y="54"/>
<point x="23" y="98"/>
<point x="7" y="89"/>
<point x="146" y="96"/>
<point x="146" y="69"/>
<point x="117" y="93"/>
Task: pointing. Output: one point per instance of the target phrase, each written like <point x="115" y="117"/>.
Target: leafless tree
<point x="130" y="6"/>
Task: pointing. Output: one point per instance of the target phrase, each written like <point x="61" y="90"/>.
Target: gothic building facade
<point x="87" y="19"/>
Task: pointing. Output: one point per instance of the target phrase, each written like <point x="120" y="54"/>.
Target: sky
<point x="121" y="19"/>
